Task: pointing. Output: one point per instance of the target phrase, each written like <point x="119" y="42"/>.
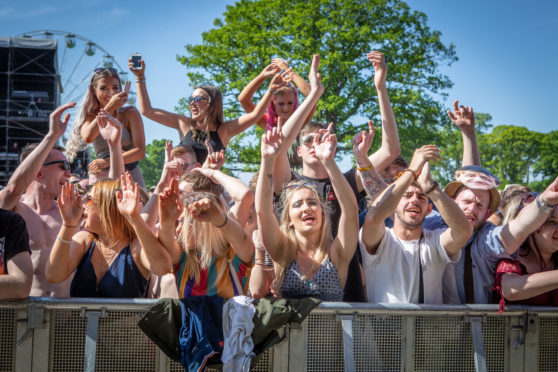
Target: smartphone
<point x="127" y="86"/>
<point x="136" y="58"/>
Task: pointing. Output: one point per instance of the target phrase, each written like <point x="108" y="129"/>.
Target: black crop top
<point x="199" y="144"/>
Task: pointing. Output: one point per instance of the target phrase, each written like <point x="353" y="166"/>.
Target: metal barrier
<point x="44" y="334"/>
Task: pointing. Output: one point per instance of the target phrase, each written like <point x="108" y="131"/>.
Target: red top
<point x="507" y="266"/>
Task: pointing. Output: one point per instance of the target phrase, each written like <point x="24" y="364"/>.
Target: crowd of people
<point x="382" y="232"/>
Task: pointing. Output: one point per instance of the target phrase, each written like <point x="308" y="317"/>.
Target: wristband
<point x="364" y="169"/>
<point x="407" y="170"/>
<point x="139" y="81"/>
<point x="70" y="227"/>
<point x="224" y="223"/>
<point x="542" y="205"/>
<point x="431" y="188"/>
<point x="62" y="240"/>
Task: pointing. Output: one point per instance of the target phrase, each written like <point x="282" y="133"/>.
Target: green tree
<point x="511" y="153"/>
<point x="547" y="165"/>
<point x="341" y="32"/>
<point x="152" y="165"/>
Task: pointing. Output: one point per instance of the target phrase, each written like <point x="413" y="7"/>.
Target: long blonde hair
<point x="201" y="239"/>
<point x="289" y="254"/>
<point x="114" y="224"/>
<point x="89" y="105"/>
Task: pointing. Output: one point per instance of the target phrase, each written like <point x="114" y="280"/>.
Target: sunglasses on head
<point x="196" y="99"/>
<point x="102" y="69"/>
<point x="65" y="164"/>
<point x="309" y="138"/>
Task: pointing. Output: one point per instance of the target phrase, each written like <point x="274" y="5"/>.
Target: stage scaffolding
<point x="29" y="91"/>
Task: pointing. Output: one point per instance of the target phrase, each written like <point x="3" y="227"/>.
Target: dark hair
<point x="310" y="127"/>
<point x="400" y="160"/>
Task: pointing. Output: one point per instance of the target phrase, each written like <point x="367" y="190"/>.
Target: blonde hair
<point x="89" y="105"/>
<point x="114" y="224"/>
<point x="289" y="253"/>
<point x="201" y="239"/>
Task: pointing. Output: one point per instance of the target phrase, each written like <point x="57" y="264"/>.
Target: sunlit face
<point x="546" y="237"/>
<point x="54" y="175"/>
<point x="199" y="106"/>
<point x="305" y="210"/>
<point x="306" y="149"/>
<point x="187" y="161"/>
<point x="91" y="213"/>
<point x="105" y="88"/>
<point x="284" y="105"/>
<point x="413" y="207"/>
<point x="474" y="203"/>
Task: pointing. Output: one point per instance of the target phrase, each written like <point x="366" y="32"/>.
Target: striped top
<point x="207" y="285"/>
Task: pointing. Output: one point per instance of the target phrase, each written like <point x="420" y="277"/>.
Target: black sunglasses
<point x="196" y="99"/>
<point x="65" y="164"/>
<point x="101" y="69"/>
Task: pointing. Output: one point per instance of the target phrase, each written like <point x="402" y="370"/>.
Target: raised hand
<point x="550" y="195"/>
<point x="128" y="200"/>
<point x="425" y="180"/>
<point x="205" y="210"/>
<point x="97" y="165"/>
<point x="325" y="146"/>
<point x="215" y="160"/>
<point x="140" y="72"/>
<point x="269" y="71"/>
<point x="57" y="125"/>
<point x="314" y="76"/>
<point x="380" y="67"/>
<point x="109" y="127"/>
<point x="361" y="144"/>
<point x="462" y="116"/>
<point x="282" y="65"/>
<point x="423" y="155"/>
<point x="170" y="207"/>
<point x="70" y="205"/>
<point x="280" y="80"/>
<point x="272" y="141"/>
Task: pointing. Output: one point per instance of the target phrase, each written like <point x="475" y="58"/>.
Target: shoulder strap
<point x="421" y="280"/>
<point x="469" y="282"/>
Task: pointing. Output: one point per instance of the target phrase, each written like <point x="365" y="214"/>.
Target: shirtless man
<point x="31" y="192"/>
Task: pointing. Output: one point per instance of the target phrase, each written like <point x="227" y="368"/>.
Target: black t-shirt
<point x="354" y="288"/>
<point x="198" y="143"/>
<point x="14" y="238"/>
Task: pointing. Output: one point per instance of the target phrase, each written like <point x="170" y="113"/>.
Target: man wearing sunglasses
<point x="31" y="192"/>
<point x="474" y="191"/>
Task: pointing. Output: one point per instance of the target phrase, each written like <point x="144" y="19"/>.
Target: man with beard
<point x="405" y="264"/>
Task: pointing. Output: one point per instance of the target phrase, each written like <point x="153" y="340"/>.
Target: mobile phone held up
<point x="127" y="86"/>
<point x="136" y="58"/>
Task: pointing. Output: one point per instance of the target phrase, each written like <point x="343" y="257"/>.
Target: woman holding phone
<point x="206" y="121"/>
<point x="105" y="92"/>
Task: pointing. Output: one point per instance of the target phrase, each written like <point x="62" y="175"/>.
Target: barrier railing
<point x="44" y="334"/>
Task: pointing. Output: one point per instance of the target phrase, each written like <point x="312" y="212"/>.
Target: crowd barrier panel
<point x="45" y="334"/>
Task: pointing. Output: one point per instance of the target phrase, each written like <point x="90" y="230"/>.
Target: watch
<point x="542" y="205"/>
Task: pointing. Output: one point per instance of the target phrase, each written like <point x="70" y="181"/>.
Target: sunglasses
<point x="196" y="99"/>
<point x="87" y="201"/>
<point x="65" y="164"/>
<point x="102" y="69"/>
<point x="309" y="138"/>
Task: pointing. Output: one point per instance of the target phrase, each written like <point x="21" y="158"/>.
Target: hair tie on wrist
<point x="407" y="170"/>
<point x="62" y="240"/>
<point x="70" y="227"/>
<point x="224" y="223"/>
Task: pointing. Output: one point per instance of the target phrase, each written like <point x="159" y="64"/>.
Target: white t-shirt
<point x="392" y="274"/>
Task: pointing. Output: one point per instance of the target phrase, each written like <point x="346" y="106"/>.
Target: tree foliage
<point x="152" y="165"/>
<point x="251" y="32"/>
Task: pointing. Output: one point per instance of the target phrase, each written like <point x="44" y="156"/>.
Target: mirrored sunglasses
<point x="102" y="69"/>
<point x="196" y="99"/>
<point x="309" y="138"/>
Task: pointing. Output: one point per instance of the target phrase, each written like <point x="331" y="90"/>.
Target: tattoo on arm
<point x="372" y="185"/>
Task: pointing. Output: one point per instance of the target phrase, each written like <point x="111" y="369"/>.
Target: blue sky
<point x="508" y="51"/>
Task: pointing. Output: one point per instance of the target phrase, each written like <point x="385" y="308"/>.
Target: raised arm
<point x="390" y="147"/>
<point x="368" y="179"/>
<point x="459" y="229"/>
<point x="300" y="83"/>
<point x="293" y="125"/>
<point x="170" y="209"/>
<point x="271" y="236"/>
<point x="245" y="97"/>
<point x="111" y="130"/>
<point x="26" y="172"/>
<point x="529" y="219"/>
<point x="239" y="125"/>
<point x="464" y="118"/>
<point x="345" y="242"/>
<point x="153" y="256"/>
<point x="89" y="129"/>
<point x="169" y="119"/>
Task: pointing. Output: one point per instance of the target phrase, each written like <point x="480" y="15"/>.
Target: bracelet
<point x="139" y="81"/>
<point x="431" y="188"/>
<point x="542" y="205"/>
<point x="62" y="240"/>
<point x="364" y="169"/>
<point x="224" y="223"/>
<point x="407" y="170"/>
<point x="260" y="262"/>
<point x="70" y="227"/>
